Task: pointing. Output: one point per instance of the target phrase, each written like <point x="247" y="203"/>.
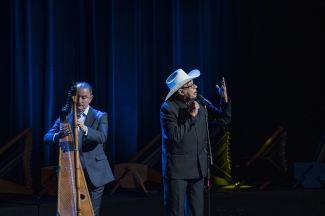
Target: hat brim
<point x="192" y="74"/>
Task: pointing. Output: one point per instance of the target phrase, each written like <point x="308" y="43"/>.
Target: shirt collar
<point x="86" y="111"/>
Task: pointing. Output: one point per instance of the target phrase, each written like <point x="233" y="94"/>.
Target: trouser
<point x="95" y="194"/>
<point x="184" y="197"/>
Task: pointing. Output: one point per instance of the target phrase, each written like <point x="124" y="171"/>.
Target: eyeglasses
<point x="190" y="87"/>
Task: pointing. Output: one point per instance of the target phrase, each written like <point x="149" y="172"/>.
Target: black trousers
<point x="183" y="197"/>
<point x="95" y="194"/>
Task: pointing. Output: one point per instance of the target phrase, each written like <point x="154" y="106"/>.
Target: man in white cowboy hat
<point x="184" y="143"/>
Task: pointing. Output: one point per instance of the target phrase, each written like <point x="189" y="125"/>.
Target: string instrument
<point x="269" y="164"/>
<point x="73" y="195"/>
<point x="16" y="155"/>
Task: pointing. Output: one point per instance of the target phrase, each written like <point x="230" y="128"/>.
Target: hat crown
<point x="176" y="77"/>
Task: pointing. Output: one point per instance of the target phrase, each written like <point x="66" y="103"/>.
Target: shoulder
<point x="164" y="105"/>
<point x="97" y="113"/>
<point x="169" y="107"/>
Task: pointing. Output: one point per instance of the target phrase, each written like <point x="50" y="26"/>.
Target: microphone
<point x="203" y="100"/>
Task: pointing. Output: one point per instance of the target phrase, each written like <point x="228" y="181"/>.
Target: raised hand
<point x="223" y="90"/>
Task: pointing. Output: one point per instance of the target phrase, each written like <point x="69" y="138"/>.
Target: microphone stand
<point x="209" y="154"/>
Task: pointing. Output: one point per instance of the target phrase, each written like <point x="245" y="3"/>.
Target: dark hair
<point x="85" y="85"/>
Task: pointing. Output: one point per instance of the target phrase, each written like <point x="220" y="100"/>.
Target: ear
<point x="180" y="91"/>
<point x="91" y="97"/>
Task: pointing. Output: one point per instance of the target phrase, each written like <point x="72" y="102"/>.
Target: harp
<point x="17" y="156"/>
<point x="312" y="175"/>
<point x="269" y="164"/>
<point x="136" y="173"/>
<point x="73" y="195"/>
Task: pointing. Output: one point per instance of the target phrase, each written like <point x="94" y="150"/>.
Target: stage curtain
<point x="124" y="49"/>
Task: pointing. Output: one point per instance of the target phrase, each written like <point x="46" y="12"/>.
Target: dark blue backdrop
<point x="270" y="53"/>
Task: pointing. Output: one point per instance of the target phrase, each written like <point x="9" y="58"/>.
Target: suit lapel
<point x="90" y="117"/>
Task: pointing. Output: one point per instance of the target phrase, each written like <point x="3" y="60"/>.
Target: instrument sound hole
<point x="82" y="196"/>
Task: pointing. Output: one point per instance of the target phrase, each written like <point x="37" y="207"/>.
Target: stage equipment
<point x="312" y="175"/>
<point x="73" y="195"/>
<point x="269" y="164"/>
<point x="208" y="151"/>
<point x="16" y="158"/>
<point x="49" y="180"/>
<point x="133" y="175"/>
<point x="221" y="168"/>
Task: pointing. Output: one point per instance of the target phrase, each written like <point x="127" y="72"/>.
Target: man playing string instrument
<point x="92" y="133"/>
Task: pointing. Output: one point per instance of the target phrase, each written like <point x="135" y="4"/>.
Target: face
<point x="188" y="91"/>
<point x="84" y="99"/>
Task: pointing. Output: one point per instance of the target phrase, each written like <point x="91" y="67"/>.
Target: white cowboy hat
<point x="178" y="78"/>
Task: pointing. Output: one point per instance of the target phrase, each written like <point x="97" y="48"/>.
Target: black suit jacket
<point x="184" y="138"/>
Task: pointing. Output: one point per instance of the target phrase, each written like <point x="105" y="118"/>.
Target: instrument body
<point x="73" y="195"/>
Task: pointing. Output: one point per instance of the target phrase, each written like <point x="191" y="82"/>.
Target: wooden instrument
<point x="269" y="164"/>
<point x="311" y="175"/>
<point x="13" y="161"/>
<point x="73" y="195"/>
<point x="265" y="148"/>
<point x="133" y="175"/>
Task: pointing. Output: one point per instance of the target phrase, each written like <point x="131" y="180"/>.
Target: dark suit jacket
<point x="184" y="138"/>
<point x="92" y="155"/>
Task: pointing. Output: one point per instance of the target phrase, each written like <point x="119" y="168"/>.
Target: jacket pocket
<point x="101" y="157"/>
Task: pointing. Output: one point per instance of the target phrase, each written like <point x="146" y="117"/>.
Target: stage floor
<point x="279" y="201"/>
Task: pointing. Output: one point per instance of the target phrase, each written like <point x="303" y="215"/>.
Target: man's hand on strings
<point x="63" y="132"/>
